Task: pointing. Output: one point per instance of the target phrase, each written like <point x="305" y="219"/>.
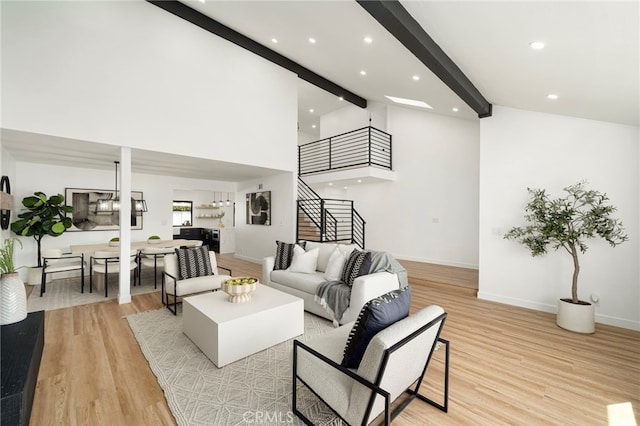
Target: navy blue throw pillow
<point x="376" y="315"/>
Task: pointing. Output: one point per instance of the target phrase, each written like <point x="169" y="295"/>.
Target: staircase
<point x="323" y="219"/>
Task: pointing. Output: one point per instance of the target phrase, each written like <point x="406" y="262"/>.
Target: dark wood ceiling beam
<point x="397" y="20"/>
<point x="211" y="25"/>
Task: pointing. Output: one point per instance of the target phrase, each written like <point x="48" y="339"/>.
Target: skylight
<point x="410" y="102"/>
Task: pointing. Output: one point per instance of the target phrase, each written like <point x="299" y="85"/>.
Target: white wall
<point x="430" y="213"/>
<point x="304" y="138"/>
<point x="521" y="149"/>
<point x="352" y="117"/>
<point x="254" y="242"/>
<point x="128" y="73"/>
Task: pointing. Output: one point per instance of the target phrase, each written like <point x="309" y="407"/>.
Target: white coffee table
<point x="226" y="332"/>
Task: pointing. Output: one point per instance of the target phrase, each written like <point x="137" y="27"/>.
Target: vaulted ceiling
<point x="590" y="60"/>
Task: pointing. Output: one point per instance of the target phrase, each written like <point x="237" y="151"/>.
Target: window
<point x="182" y="213"/>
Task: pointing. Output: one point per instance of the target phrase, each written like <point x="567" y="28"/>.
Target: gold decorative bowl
<point x="240" y="289"/>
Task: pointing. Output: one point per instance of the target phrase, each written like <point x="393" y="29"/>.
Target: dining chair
<point x="152" y="257"/>
<point x="55" y="260"/>
<point x="105" y="262"/>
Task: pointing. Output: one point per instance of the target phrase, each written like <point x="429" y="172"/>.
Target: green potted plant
<point x="114" y="242"/>
<point x="42" y="216"/>
<point x="13" y="303"/>
<point x="567" y="222"/>
<point x="154" y="239"/>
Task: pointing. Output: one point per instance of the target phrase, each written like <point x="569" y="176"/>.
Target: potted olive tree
<point x="567" y="222"/>
<point x="42" y="216"/>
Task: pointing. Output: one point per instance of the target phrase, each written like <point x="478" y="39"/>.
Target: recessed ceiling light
<point x="340" y="98"/>
<point x="359" y="180"/>
<point x="311" y="110"/>
<point x="330" y="183"/>
<point x="202" y="1"/>
<point x="274" y="40"/>
<point x="411" y="102"/>
<point x="363" y="72"/>
<point x="313" y="127"/>
<point x="454" y="109"/>
<point x="368" y="40"/>
<point x="416" y="77"/>
<point x="346" y="187"/>
<point x="536" y="45"/>
<point x="552" y="96"/>
<point x="312" y="40"/>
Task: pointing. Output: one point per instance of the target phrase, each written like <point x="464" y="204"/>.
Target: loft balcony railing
<point x="358" y="148"/>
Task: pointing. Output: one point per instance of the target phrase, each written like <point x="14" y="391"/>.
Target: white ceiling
<point x="591" y="61"/>
<point x="591" y="58"/>
<point x="46" y="149"/>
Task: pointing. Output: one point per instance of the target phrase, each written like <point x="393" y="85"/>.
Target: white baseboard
<point x="436" y="261"/>
<point x="518" y="302"/>
<point x="248" y="259"/>
<point x="543" y="307"/>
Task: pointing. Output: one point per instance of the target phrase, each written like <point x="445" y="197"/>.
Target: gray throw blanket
<point x="334" y="296"/>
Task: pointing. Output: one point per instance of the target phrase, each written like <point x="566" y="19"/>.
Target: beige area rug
<point x="254" y="390"/>
<point x="65" y="292"/>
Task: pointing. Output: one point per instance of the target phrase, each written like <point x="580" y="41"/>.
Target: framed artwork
<point x="259" y="208"/>
<point x="85" y="216"/>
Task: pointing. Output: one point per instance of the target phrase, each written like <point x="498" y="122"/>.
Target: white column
<point x="124" y="295"/>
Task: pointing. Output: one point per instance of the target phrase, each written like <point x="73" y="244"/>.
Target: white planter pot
<point x="576" y="317"/>
<point x="13" y="299"/>
<point x="35" y="276"/>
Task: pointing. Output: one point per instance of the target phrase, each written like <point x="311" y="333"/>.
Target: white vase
<point x="13" y="299"/>
<point x="580" y="318"/>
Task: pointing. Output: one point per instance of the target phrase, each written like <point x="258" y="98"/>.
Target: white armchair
<point x="394" y="360"/>
<point x="173" y="285"/>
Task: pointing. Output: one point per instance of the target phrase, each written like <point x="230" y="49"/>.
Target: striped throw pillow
<point x="193" y="262"/>
<point x="358" y="263"/>
<point x="284" y="254"/>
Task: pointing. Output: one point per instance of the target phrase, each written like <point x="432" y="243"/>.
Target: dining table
<point x="89" y="249"/>
<point x="138" y="245"/>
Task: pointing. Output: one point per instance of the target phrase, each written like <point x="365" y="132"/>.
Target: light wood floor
<point x="508" y="366"/>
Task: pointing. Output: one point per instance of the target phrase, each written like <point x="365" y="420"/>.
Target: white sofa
<point x="304" y="286"/>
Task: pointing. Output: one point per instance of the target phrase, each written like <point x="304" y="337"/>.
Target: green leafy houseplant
<point x="43" y="216"/>
<point x="567" y="222"/>
<point x="6" y="256"/>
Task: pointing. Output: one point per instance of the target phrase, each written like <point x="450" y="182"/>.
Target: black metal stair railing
<point x="367" y="146"/>
<point x="323" y="220"/>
